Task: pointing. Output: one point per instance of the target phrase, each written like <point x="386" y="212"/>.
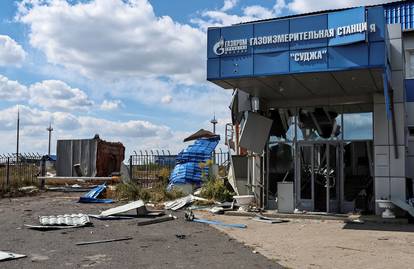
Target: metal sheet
<point x="5" y="256"/>
<point x="255" y="132"/>
<point x="67" y="219"/>
<point x="123" y="208"/>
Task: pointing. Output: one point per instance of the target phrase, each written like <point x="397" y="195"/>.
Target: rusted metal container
<point x="96" y="157"/>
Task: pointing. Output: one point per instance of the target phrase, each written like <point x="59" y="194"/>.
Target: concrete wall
<point x="390" y="172"/>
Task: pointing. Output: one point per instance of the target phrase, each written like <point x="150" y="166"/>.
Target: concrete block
<point x="397" y="84"/>
<point x="410" y="113"/>
<point x="381" y="155"/>
<point x="397" y="59"/>
<point x="380" y="125"/>
<point x="400" y="123"/>
<point x="394" y="31"/>
<point x="397" y="166"/>
<point x="398" y="188"/>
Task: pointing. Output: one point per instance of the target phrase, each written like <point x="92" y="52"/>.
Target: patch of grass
<point x="215" y="189"/>
<point x="157" y="194"/>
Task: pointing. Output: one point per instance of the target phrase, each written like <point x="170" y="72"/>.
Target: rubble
<point x="189" y="216"/>
<point x="92" y="196"/>
<point x="182" y="202"/>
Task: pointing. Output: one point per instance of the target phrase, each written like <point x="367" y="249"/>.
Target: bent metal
<point x="238" y="45"/>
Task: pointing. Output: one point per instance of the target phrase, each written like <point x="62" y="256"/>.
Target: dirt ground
<point x="327" y="244"/>
<point x="152" y="246"/>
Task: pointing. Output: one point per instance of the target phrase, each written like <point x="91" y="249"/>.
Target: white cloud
<point x="302" y="6"/>
<point x="11" y="53"/>
<point x="167" y="99"/>
<point x="57" y="95"/>
<point x="48" y="94"/>
<point x="11" y="90"/>
<point x="33" y="122"/>
<point x="109" y="105"/>
<point x="114" y="39"/>
<point x="229" y="4"/>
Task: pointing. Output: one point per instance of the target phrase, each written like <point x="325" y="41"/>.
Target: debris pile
<point x="188" y="169"/>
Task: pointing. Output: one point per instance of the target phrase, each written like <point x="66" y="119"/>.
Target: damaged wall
<point x="95" y="156"/>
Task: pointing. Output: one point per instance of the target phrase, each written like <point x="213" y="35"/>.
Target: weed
<point x="215" y="189"/>
<point x="156" y="194"/>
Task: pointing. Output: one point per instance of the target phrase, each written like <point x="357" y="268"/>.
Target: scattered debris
<point x="189" y="216"/>
<point x="6" y="256"/>
<point x="187" y="169"/>
<point x="39" y="258"/>
<point x="182" y="202"/>
<point x="92" y="196"/>
<point x="69" y="220"/>
<point x="138" y="205"/>
<point x="354" y="221"/>
<point x="217" y="210"/>
<point x="73" y="188"/>
<point x="110" y="217"/>
<point x="157" y="220"/>
<point x="61" y="222"/>
<point x="181" y="236"/>
<point x="264" y="219"/>
<point x="29" y="189"/>
<point x="103" y="241"/>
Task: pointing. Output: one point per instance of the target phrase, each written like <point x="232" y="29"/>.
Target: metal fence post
<point x="43" y="173"/>
<point x="130" y="168"/>
<point x="8" y="172"/>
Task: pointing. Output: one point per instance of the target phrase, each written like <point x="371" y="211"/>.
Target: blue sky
<point x="131" y="70"/>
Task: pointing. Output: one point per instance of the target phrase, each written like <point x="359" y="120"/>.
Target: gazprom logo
<point x="230" y="46"/>
<point x="219" y="47"/>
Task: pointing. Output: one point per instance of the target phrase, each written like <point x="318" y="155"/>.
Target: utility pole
<point x="50" y="130"/>
<point x="214" y="122"/>
<point x="18" y="134"/>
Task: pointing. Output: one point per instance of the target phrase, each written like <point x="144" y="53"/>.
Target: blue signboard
<point x="352" y="38"/>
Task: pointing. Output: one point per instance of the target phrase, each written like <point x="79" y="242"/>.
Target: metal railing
<point x="16" y="172"/>
<point x="148" y="168"/>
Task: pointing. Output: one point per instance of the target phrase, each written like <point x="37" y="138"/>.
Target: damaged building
<point x="323" y="107"/>
<point x="88" y="157"/>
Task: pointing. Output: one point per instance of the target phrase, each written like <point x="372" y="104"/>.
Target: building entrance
<point x="319" y="175"/>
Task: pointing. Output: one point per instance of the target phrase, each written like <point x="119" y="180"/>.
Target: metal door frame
<point x="339" y="146"/>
